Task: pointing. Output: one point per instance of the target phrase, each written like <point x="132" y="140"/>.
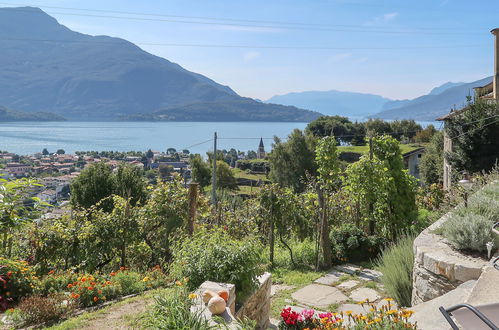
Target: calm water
<point x="30" y="137"/>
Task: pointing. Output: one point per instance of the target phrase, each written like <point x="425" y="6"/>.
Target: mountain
<point x="48" y="67"/>
<point x="12" y="115"/>
<point x="244" y="109"/>
<point x="429" y="107"/>
<point x="334" y="102"/>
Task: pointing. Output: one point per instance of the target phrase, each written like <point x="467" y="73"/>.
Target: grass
<point x="84" y="319"/>
<point x="294" y="277"/>
<point x="404" y="148"/>
<point x="248" y="190"/>
<point x="238" y="173"/>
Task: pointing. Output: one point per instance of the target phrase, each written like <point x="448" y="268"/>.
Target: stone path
<point x="339" y="290"/>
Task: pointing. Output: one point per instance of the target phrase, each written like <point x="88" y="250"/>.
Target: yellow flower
<point x="348" y="312"/>
<point x="145" y="279"/>
<point x="178" y="283"/>
<point x="388" y="299"/>
<point x="193" y="296"/>
<point x="393" y="311"/>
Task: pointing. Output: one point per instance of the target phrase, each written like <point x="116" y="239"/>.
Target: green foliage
<point x="291" y="160"/>
<point x="432" y="162"/>
<point x="475" y="138"/>
<point x="211" y="254"/>
<point x="225" y="177"/>
<point x="201" y="172"/>
<point x="130" y="282"/>
<point x="469" y="232"/>
<point x="98" y="181"/>
<point x="396" y="263"/>
<point x="426" y="134"/>
<point x="173" y="311"/>
<point x="350" y="243"/>
<point x="328" y="163"/>
<point x="304" y="254"/>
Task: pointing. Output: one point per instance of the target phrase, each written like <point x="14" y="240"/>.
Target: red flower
<point x="9" y="274"/>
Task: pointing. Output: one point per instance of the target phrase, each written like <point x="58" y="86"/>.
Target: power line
<point x="218" y="18"/>
<point x="198" y="144"/>
<point x="119" y="41"/>
<point x="353" y="29"/>
<point x="473" y="130"/>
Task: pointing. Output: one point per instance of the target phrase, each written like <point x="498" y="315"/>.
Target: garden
<point x="123" y="237"/>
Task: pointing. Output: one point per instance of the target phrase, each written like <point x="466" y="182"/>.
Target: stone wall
<point x="257" y="306"/>
<point x="438" y="268"/>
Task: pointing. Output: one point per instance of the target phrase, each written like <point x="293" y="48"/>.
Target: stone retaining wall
<point x="256" y="307"/>
<point x="438" y="268"/>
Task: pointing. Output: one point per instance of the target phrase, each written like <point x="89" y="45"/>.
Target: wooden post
<point x="193" y="201"/>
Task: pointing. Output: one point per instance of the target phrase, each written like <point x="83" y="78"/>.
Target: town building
<point x="488" y="93"/>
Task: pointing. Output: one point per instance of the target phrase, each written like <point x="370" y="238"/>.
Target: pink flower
<point x="308" y="313"/>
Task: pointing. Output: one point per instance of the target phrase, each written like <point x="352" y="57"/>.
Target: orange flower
<point x="99" y="292"/>
<point x="92" y="283"/>
<point x="108" y="282"/>
<point x="70" y="286"/>
<point x="113" y="274"/>
<point x="51" y="272"/>
<point x="83" y="279"/>
<point x="96" y="299"/>
<point x="9" y="274"/>
<point x="122" y="268"/>
<point x="90" y="288"/>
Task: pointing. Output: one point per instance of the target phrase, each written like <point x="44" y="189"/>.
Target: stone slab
<point x="330" y="278"/>
<point x="362" y="294"/>
<point x="215" y="286"/>
<point x="348" y="285"/>
<point x="349" y="269"/>
<point x="354" y="308"/>
<point x="370" y="275"/>
<point x="321" y="296"/>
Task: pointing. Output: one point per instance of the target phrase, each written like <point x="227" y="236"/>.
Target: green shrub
<point x="396" y="263"/>
<point x="173" y="311"/>
<point x="130" y="282"/>
<point x="56" y="282"/>
<point x="469" y="231"/>
<point x="304" y="253"/>
<point x="482" y="204"/>
<point x="211" y="254"/>
<point x="350" y="243"/>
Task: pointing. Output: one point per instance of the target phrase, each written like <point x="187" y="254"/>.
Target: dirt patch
<point x="118" y="317"/>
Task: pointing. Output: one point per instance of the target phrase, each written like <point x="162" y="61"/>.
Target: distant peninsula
<point x="13" y="115"/>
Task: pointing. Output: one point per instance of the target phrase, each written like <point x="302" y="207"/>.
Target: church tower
<point x="261" y="150"/>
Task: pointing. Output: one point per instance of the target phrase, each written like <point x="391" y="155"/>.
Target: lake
<point x="29" y="137"/>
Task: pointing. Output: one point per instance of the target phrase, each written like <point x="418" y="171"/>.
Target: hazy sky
<point x="398" y="49"/>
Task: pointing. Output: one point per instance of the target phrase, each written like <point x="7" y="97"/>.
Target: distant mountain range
<point x="12" y="115"/>
<point x="48" y="67"/>
<point x="428" y="107"/>
<point x="334" y="102"/>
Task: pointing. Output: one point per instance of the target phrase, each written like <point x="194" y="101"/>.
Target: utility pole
<point x="214" y="174"/>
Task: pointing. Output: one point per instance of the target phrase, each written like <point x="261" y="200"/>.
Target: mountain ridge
<point x="81" y="77"/>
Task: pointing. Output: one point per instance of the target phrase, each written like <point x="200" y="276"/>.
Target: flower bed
<point x="377" y="318"/>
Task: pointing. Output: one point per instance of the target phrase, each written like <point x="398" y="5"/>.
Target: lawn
<point x="238" y="173"/>
<point x="404" y="148"/>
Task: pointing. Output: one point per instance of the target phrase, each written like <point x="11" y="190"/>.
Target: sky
<point x="397" y="49"/>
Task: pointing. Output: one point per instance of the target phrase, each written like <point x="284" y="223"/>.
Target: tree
<point x="45" y="152"/>
<point x="328" y="167"/>
<point x="332" y="126"/>
<point x="251" y="154"/>
<point x="185" y="152"/>
<point x="149" y="154"/>
<point x="425" y="135"/>
<point x="201" y="172"/>
<point x="225" y="177"/>
<point x="432" y="162"/>
<point x="171" y="151"/>
<point x="404" y="129"/>
<point x="401" y="189"/>
<point x="291" y="160"/>
<point x="129" y="183"/>
<point x="60" y="152"/>
<point x="94" y="183"/>
<point x="475" y="137"/>
<point x="165" y="171"/>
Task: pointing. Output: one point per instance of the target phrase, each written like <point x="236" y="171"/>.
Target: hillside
<point x="429" y="107"/>
<point x="12" y="115"/>
<point x="47" y="67"/>
<point x="333" y="102"/>
<point x="243" y="109"/>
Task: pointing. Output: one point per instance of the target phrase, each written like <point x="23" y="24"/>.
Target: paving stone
<point x="279" y="287"/>
<point x="320" y="296"/>
<point x="330" y="278"/>
<point x="370" y="275"/>
<point x="348" y="284"/>
<point x="349" y="269"/>
<point x="361" y="294"/>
